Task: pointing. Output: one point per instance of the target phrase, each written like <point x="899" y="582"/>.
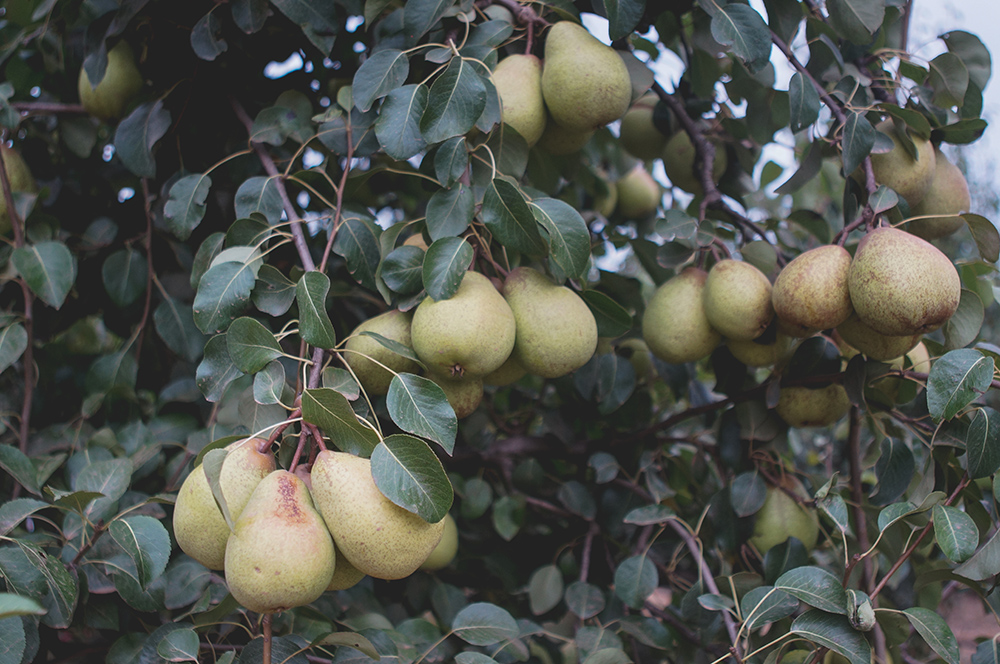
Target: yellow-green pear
<point x="919" y="359"/>
<point x="640" y="357"/>
<point x="801" y="406"/>
<point x="20" y="180"/>
<point x="556" y="331"/>
<point x="638" y="193"/>
<point x="469" y="334"/>
<point x="675" y="326"/>
<point x="345" y="575"/>
<point x="281" y="554"/>
<point x="464" y="394"/>
<point x="518" y="79"/>
<point x="782" y="517"/>
<point x="365" y="354"/>
<point x="947" y="197"/>
<point x="755" y="353"/>
<point x="737" y="300"/>
<point x="679" y="157"/>
<point x="873" y="344"/>
<point x="380" y="538"/>
<point x="445" y="551"/>
<point x="121" y="83"/>
<point x="509" y="372"/>
<point x="910" y="178"/>
<point x="901" y="284"/>
<point x="585" y="83"/>
<point x="199" y="527"/>
<point x="558" y="140"/>
<point x="637" y="134"/>
<point x="811" y="293"/>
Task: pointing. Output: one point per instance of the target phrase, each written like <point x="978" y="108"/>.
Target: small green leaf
<point x="635" y="579"/>
<point x="403" y="270"/>
<point x="982" y="443"/>
<point x="48" y="268"/>
<point x="973" y="53"/>
<point x="223" y="294"/>
<point x="63" y="587"/>
<point x="935" y="632"/>
<point x="216" y="370"/>
<point x="15" y="511"/>
<point x="174" y="322"/>
<point x="146" y="542"/>
<point x="379" y="75"/>
<point x="612" y="318"/>
<point x="986" y="236"/>
<point x="206" y="37"/>
<point x="484" y="624"/>
<point x="764" y="604"/>
<point x="964" y="325"/>
<point x="16" y="605"/>
<point x="259" y="194"/>
<point x="398" y="124"/>
<point x="357" y="242"/>
<point x="269" y="383"/>
<point x="419" y="16"/>
<point x="181" y="645"/>
<point x="894" y="470"/>
<point x="449" y="212"/>
<point x="136" y="135"/>
<point x="456" y="99"/>
<point x="330" y="411"/>
<point x="956" y="533"/>
<point x="319" y="22"/>
<point x="985" y="563"/>
<point x="857" y="142"/>
<point x="506" y="213"/>
<point x="444" y="266"/>
<point x="834" y="632"/>
<point x="856" y="20"/>
<point x="623" y="16"/>
<point x="803" y="101"/>
<point x="584" y="600"/>
<point x="125" y="274"/>
<point x="747" y="493"/>
<point x="185" y="206"/>
<point x="816" y="587"/>
<point x="408" y="473"/>
<point x="350" y="640"/>
<point x="273" y="292"/>
<point x="957" y="379"/>
<point x="742" y="27"/>
<point x="545" y="589"/>
<point x="251" y="345"/>
<point x="419" y="406"/>
<point x="451" y="161"/>
<point x="19" y="466"/>
<point x="649" y="515"/>
<point x="949" y="79"/>
<point x="13" y="343"/>
<point x="314" y="321"/>
<point x="567" y="234"/>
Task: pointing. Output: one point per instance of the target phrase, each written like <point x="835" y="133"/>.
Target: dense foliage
<point x="187" y="269"/>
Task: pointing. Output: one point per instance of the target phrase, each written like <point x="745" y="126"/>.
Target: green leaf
<point x="273" y="292"/>
<point x="506" y="213"/>
<point x="379" y="75"/>
<point x="181" y="645"/>
<point x="259" y="194"/>
<point x="207" y="251"/>
<point x="330" y="411"/>
<point x="545" y="589"/>
<point x="206" y="37"/>
<point x="623" y="16"/>
<point x="138" y="133"/>
<point x="63" y="588"/>
<point x="13" y="343"/>
<point x="269" y="383"/>
<point x="982" y="443"/>
<point x="956" y="533"/>
<point x="398" y="124"/>
<point x="985" y="563"/>
<point x="935" y="632"/>
<point x="472" y="657"/>
<point x="16" y="605"/>
<point x="834" y="632"/>
<point x="964" y="325"/>
<point x="223" y="294"/>
<point x="835" y="507"/>
<point x="314" y="321"/>
<point x="816" y="587"/>
<point x="894" y="470"/>
<point x="764" y="604"/>
<point x="110" y="478"/>
<point x="444" y="266"/>
<point x="357" y="243"/>
<point x="419" y="406"/>
<point x="986" y="236"/>
<point x="584" y="600"/>
<point x="408" y="473"/>
<point x="216" y="370"/>
<point x="19" y="466"/>
<point x="567" y="235"/>
<point x="250" y="15"/>
<point x="15" y="511"/>
<point x="449" y="212"/>
<point x="48" y="268"/>
<point x="125" y="274"/>
<point x="317" y="18"/>
<point x="857" y="142"/>
<point x="456" y="100"/>
<point x="973" y="54"/>
<point x="743" y="28"/>
<point x="483" y="624"/>
<point x="949" y="79"/>
<point x="856" y="20"/>
<point x="451" y="161"/>
<point x="146" y="542"/>
<point x="174" y="322"/>
<point x="635" y="579"/>
<point x="403" y="270"/>
<point x="251" y="345"/>
<point x="612" y="318"/>
<point x="13" y="640"/>
<point x="957" y="379"/>
<point x="508" y="516"/>
<point x="649" y="515"/>
<point x="803" y="102"/>
<point x="185" y="206"/>
<point x="350" y="640"/>
<point x="961" y="132"/>
<point x="747" y="493"/>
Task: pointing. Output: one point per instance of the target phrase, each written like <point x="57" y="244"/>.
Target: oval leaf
<point x="816" y="587"/>
<point x="408" y="473"/>
<point x="251" y="345"/>
<point x="834" y="632"/>
<point x="956" y="533"/>
<point x="935" y="632"/>
<point x="483" y="624"/>
<point x="568" y="235"/>
<point x="635" y="580"/>
<point x="957" y="379"/>
<point x="329" y="410"/>
<point x="48" y="268"/>
<point x="379" y="75"/>
<point x="314" y="322"/>
<point x="444" y="266"/>
<point x="419" y="406"/>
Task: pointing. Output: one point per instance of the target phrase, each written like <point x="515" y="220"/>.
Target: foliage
<point x="191" y="273"/>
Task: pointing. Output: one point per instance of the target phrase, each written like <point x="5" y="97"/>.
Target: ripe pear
<point x="640" y="357"/>
<point x="637" y="134"/>
<point x="901" y="284"/>
<point x="638" y="193"/>
<point x="199" y="527"/>
<point x="811" y="294"/>
<point x="20" y="179"/>
<point x="518" y="79"/>
<point x="345" y="575"/>
<point x="896" y="169"/>
<point x="948" y="196"/>
<point x="675" y="326"/>
<point x="121" y="83"/>
<point x="469" y="334"/>
<point x="782" y="517"/>
<point x="445" y="551"/>
<point x="585" y="83"/>
<point x="365" y="353"/>
<point x="377" y="536"/>
<point x="755" y="353"/>
<point x="558" y="140"/>
<point x="737" y="300"/>
<point x="281" y="554"/>
<point x="556" y="331"/>
<point x="801" y="406"/>
<point x="509" y="372"/>
<point x="464" y="394"/>
<point x="679" y="157"/>
<point x="873" y="344"/>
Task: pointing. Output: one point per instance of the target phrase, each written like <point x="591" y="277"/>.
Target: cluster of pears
<point x="895" y="288"/>
<point x="299" y="534"/>
<point x="480" y="335"/>
<point x="559" y="102"/>
<point x="108" y="99"/>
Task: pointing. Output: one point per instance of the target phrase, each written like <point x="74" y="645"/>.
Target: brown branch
<point x="266" y="630"/>
<point x="26" y="108"/>
<point x="857" y="497"/>
<point x="99" y="530"/>
<point x="278" y="430"/>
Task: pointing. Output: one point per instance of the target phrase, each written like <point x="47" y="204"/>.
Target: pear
<point x="902" y="285"/>
<point x="638" y="193"/>
<point x="377" y="536"/>
<point x="464" y="394"/>
<point x="20" y="180"/>
<point x="801" y="406"/>
<point x="896" y="169"/>
<point x="471" y="333"/>
<point x="558" y="140"/>
<point x="199" y="527"/>
<point x="679" y="157"/>
<point x="445" y="551"/>
<point x="781" y="517"/>
<point x="364" y="354"/>
<point x="281" y="554"/>
<point x="640" y="357"/>
<point x="737" y="300"/>
<point x="919" y="359"/>
<point x="811" y="294"/>
<point x="873" y="344"/>
<point x="518" y="79"/>
<point x="675" y="326"/>
<point x="345" y="575"/>
<point x="585" y="83"/>
<point x="509" y="372"/>
<point x="947" y="197"/>
<point x="556" y="331"/>
<point x="637" y="133"/>
<point x="108" y="99"/>
<point x="755" y="353"/>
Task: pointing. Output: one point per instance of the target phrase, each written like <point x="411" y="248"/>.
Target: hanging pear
<point x="365" y="354"/>
<point x="675" y="326"/>
<point x="518" y="79"/>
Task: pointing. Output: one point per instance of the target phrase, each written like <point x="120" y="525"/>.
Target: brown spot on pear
<point x="674" y="325"/>
<point x="811" y="293"/>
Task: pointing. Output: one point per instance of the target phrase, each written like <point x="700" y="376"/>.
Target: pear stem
<point x="266" y="631"/>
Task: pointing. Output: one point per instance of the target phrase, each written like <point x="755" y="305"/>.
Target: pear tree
<point x="495" y="331"/>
